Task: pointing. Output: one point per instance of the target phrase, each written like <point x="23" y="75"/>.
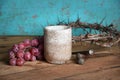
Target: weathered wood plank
<point x="66" y="70"/>
<point x="6" y="69"/>
<point x="106" y="61"/>
<point x="6" y="42"/>
<point x="106" y="74"/>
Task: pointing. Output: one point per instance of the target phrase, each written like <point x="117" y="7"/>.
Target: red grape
<point x="37" y="53"/>
<point x="12" y="61"/>
<point x="11" y="54"/>
<point x="20" y="54"/>
<point x="20" y="62"/>
<point x="35" y="42"/>
<point x="33" y="58"/>
<point x="15" y="48"/>
<point x="27" y="43"/>
<point x="21" y="45"/>
<point x="41" y="47"/>
<point x="27" y="56"/>
<point x="28" y="50"/>
<point x="40" y="57"/>
<point x="34" y="51"/>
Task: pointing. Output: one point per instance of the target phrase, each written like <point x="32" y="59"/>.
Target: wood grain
<point x="105" y="65"/>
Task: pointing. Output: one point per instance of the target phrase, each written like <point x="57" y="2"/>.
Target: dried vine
<point x="110" y="37"/>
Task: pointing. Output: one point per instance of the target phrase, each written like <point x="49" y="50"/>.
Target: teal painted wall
<point x="29" y="17"/>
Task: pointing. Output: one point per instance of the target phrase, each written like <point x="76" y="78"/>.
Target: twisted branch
<point x="111" y="32"/>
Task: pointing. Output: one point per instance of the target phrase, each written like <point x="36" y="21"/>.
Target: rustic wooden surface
<point x="105" y="65"/>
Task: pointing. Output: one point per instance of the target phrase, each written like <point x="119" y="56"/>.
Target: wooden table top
<point x="103" y="66"/>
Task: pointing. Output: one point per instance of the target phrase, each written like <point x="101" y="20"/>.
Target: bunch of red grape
<point x="28" y="50"/>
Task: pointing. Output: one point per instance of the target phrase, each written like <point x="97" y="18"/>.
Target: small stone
<point x="81" y="61"/>
<point x="80" y="58"/>
<point x="79" y="55"/>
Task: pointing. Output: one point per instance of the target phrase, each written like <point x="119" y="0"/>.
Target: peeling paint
<point x="34" y="16"/>
<point x="24" y="15"/>
<point x="64" y="8"/>
<point x="51" y="3"/>
<point x="102" y="3"/>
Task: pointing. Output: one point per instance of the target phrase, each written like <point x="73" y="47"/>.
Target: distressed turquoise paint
<point x="29" y="17"/>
